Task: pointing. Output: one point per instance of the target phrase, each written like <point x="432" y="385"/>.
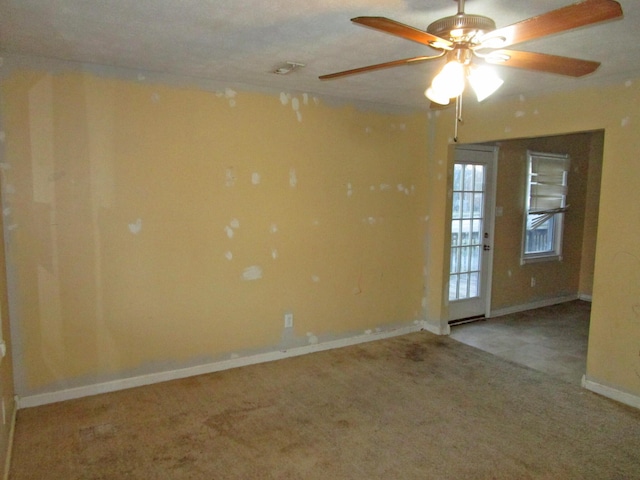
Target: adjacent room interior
<point x="168" y="218"/>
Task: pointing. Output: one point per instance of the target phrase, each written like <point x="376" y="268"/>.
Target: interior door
<point x="473" y="193"/>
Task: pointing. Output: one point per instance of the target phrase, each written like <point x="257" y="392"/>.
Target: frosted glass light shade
<point x="449" y="82"/>
<point x="434" y="96"/>
<point x="484" y="82"/>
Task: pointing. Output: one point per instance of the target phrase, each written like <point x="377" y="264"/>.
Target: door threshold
<point x="460" y="321"/>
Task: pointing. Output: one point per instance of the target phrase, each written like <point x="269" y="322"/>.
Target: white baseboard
<point x="612" y="393"/>
<point x="530" y="306"/>
<point x="438" y="329"/>
<point x="138" y="381"/>
<point x="12" y="429"/>
<point x="584" y="297"/>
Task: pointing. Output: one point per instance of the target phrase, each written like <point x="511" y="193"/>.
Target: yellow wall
<point x="511" y="281"/>
<point x="592" y="207"/>
<point x="614" y="340"/>
<point x="158" y="227"/>
<point x="7" y="403"/>
<point x="140" y="212"/>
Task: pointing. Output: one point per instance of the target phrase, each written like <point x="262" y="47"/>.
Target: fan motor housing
<point x="462" y="27"/>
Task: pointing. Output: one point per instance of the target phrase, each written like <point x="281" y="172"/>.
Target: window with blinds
<point x="546" y="204"/>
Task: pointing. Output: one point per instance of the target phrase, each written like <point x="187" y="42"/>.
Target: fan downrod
<point x="462" y="27"/>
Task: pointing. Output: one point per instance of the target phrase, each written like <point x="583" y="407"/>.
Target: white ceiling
<point x="243" y="41"/>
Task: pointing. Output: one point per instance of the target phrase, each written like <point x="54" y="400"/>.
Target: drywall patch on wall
<point x="625" y="122"/>
<point x="230" y="95"/>
<point x="520" y="113"/>
<point x="228" y="255"/>
<point x="284" y="98"/>
<point x="255" y="178"/>
<point x="311" y="338"/>
<point x="295" y="105"/>
<point x="253" y="272"/>
<point x="293" y="178"/>
<point x="274" y="253"/>
<point x="233" y="225"/>
<point x="136" y="227"/>
<point x="349" y="190"/>
<point x="273" y="228"/>
<point x="315" y="278"/>
<point x="229" y="177"/>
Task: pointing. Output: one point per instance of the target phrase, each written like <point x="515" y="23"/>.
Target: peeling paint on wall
<point x="230" y="95"/>
<point x="253" y="272"/>
<point x="136" y="227"/>
<point x="229" y="177"/>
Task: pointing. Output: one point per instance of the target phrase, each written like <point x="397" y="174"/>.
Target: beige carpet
<point x="412" y="407"/>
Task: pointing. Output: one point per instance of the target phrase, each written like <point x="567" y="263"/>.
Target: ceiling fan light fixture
<point x="484" y="81"/>
<point x="433" y="95"/>
<point x="449" y="83"/>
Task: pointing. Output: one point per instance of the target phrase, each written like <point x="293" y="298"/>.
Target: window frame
<point x="556" y="215"/>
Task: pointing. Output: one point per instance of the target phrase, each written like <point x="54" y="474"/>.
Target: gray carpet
<point x="411" y="407"/>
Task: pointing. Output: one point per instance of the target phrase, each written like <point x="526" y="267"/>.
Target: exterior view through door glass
<point x="471" y="230"/>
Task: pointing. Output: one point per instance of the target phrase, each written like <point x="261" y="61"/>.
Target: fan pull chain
<point x="458" y="117"/>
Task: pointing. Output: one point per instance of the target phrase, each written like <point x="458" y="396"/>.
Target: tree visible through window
<point x="546" y="204"/>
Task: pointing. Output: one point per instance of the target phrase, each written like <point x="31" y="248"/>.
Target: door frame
<point x="489" y="226"/>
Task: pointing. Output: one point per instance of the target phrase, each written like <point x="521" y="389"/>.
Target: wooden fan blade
<point x="560" y="20"/>
<point x="543" y="62"/>
<point x="379" y="66"/>
<point x="404" y="31"/>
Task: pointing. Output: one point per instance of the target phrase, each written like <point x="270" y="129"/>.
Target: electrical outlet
<point x="288" y="320"/>
<point x="533" y="281"/>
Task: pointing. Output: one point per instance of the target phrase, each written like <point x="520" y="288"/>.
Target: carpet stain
<point x="97" y="432"/>
<point x="415" y="352"/>
<point x="229" y="422"/>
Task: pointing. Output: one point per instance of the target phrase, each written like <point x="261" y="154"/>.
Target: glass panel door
<point x="472" y="194"/>
<point x="467" y="238"/>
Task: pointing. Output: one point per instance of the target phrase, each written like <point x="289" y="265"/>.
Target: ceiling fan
<point x="469" y="42"/>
